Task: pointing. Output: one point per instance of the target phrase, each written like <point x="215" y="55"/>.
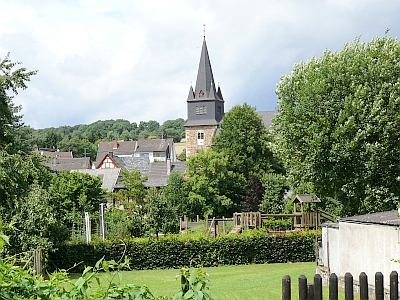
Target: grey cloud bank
<point x="135" y="60"/>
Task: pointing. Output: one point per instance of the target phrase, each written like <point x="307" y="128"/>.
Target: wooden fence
<point x="313" y="291"/>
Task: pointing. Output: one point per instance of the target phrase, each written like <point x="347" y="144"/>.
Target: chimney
<point x="115" y="145"/>
<point x="168" y="166"/>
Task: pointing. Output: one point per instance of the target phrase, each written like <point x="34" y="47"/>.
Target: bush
<point x="180" y="251"/>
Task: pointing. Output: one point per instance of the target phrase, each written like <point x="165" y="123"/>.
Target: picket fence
<point x="313" y="291"/>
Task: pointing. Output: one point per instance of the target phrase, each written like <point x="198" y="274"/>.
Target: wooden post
<point x="302" y="287"/>
<point x="207" y="223"/>
<point x="310" y="291"/>
<point x="286" y="288"/>
<point x="180" y="225"/>
<point x="348" y="286"/>
<point x="317" y="287"/>
<point x="394" y="285"/>
<point x="333" y="287"/>
<point x="197" y="219"/>
<point x="37" y="262"/>
<point x="363" y="278"/>
<point x="187" y="224"/>
<point x="379" y="286"/>
<point x="215" y="228"/>
<point x="223" y="225"/>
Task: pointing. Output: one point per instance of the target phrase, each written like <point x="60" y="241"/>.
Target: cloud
<point x="135" y="60"/>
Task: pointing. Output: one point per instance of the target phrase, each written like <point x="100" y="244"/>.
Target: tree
<point x="160" y="215"/>
<point x="338" y="125"/>
<point x="134" y="191"/>
<point x="245" y="141"/>
<point x="80" y="147"/>
<point x="215" y="189"/>
<point x="10" y="122"/>
<point x="275" y="186"/>
<point x="177" y="194"/>
<point x="75" y="193"/>
<point x="244" y="138"/>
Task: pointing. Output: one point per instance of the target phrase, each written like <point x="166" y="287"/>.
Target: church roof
<point x="205" y="85"/>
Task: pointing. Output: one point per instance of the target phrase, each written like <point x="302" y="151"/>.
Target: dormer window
<point x="201" y="93"/>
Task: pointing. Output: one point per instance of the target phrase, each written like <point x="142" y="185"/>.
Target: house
<point x="53" y="152"/>
<point x="68" y="164"/>
<point x="367" y="243"/>
<point x="155" y="149"/>
<point x="157" y="172"/>
<point x="109" y="177"/>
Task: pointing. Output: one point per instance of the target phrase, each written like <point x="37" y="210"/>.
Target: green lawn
<point x="231" y="282"/>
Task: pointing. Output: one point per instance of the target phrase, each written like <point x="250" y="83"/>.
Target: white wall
<point x="357" y="248"/>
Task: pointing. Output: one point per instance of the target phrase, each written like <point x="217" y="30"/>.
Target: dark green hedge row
<point x="178" y="252"/>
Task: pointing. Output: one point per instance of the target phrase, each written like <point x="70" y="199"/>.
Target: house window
<point x="201" y="110"/>
<point x="144" y="154"/>
<point x="200" y="138"/>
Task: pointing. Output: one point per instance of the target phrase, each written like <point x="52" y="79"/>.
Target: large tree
<point x="245" y="142"/>
<point x="11" y="80"/>
<point x="215" y="189"/>
<point x="338" y="125"/>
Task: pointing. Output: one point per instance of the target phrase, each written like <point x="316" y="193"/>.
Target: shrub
<point x="176" y="251"/>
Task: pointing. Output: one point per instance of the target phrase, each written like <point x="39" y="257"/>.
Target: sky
<point x="135" y="60"/>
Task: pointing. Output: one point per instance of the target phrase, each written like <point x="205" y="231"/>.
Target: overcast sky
<point x="135" y="60"/>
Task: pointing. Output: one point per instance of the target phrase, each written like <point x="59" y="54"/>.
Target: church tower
<point x="205" y="108"/>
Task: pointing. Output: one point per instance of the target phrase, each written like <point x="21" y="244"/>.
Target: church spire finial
<point x="204" y="31"/>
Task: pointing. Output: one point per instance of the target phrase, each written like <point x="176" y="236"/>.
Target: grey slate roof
<point x="129" y="163"/>
<point x="205" y="122"/>
<point x="267" y="117"/>
<point x="109" y="177"/>
<point x="68" y="164"/>
<point x="154" y="145"/>
<point x="390" y="218"/>
<point x="123" y="148"/>
<point x="158" y="173"/>
<point x="205" y="79"/>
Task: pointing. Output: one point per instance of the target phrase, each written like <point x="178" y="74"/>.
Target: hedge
<point x="184" y="251"/>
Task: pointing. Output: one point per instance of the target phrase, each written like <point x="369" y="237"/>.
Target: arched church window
<point x="201" y="93"/>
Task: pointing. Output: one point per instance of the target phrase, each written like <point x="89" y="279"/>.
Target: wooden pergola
<point x="306" y="217"/>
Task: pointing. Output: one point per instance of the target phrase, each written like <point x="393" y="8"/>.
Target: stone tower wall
<point x="191" y="138"/>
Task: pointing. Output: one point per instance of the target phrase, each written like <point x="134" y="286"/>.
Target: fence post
<point x="333" y="287"/>
<point x="394" y="285"/>
<point x="310" y="291"/>
<point x="379" y="286"/>
<point x="317" y="287"/>
<point x="348" y="286"/>
<point x="363" y="278"/>
<point x="286" y="288"/>
<point x="302" y="287"/>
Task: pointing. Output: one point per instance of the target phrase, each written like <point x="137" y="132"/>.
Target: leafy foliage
<point x="338" y="122"/>
<point x="74" y="193"/>
<point x="215" y="189"/>
<point x="174" y="251"/>
<point x="11" y="80"/>
<point x="160" y="216"/>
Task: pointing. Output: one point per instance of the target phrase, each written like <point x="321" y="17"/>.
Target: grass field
<point x="179" y="147"/>
<point x="231" y="282"/>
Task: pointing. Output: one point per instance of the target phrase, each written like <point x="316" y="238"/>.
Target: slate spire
<point x="205" y="85"/>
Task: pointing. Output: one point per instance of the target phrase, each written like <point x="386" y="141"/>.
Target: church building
<point x="205" y="108"/>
